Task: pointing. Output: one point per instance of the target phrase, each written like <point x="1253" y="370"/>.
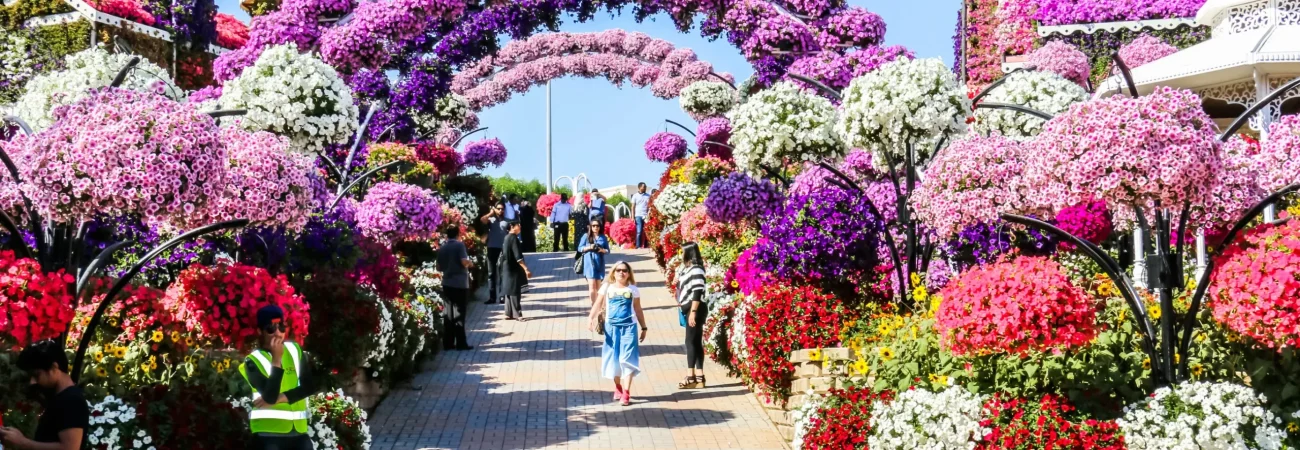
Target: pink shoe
<point x="627" y="397"/>
<point x="618" y="393"/>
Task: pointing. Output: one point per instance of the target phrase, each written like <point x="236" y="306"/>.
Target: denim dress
<point x="593" y="264"/>
<point x="621" y="354"/>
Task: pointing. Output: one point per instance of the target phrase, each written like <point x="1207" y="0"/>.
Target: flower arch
<point x="428" y="40"/>
<point x="616" y="54"/>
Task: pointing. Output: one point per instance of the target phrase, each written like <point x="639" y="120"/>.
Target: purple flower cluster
<point x="1067" y="12"/>
<point x="205" y="94"/>
<point x="858" y="163"/>
<point x="1089" y="221"/>
<point x="778" y="33"/>
<point x="296" y="21"/>
<point x="103" y="231"/>
<point x="717" y="129"/>
<point x="813" y="8"/>
<point x="480" y="154"/>
<point x="985" y="242"/>
<point x="855" y="27"/>
<point x="736" y="196"/>
<point x="827" y="234"/>
<point x="665" y="147"/>
<point x="836" y="71"/>
<point x="327" y="241"/>
<point x="381" y="28"/>
<point x="396" y="212"/>
<point x="369" y="85"/>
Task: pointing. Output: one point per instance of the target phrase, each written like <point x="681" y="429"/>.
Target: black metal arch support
<point x="126" y="70"/>
<point x="227" y="113"/>
<point x="1017" y="108"/>
<point x="1256" y="108"/>
<point x="683" y="127"/>
<point x="995" y="84"/>
<point x="724" y="80"/>
<point x="817" y="84"/>
<point x="1124" y="71"/>
<point x="21" y="124"/>
<point x="89" y="332"/>
<point x="463" y="136"/>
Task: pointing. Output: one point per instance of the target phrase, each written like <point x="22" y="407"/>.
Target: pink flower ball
<point x="972" y="181"/>
<point x="1063" y="59"/>
<point x="1279" y="160"/>
<point x="1256" y="286"/>
<point x="396" y="212"/>
<point x="665" y="147"/>
<point x="265" y="182"/>
<point x="1143" y="50"/>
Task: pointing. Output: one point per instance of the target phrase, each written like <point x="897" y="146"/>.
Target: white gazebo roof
<point x="1251" y="39"/>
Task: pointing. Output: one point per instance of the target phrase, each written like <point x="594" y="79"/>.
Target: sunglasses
<point x="620" y="270"/>
<point x="272" y="328"/>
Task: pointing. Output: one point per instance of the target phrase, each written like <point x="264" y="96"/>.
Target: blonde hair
<point x="631" y="276"/>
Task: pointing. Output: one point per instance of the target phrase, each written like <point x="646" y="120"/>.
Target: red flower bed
<point x="784" y="319"/>
<point x="33" y="305"/>
<point x="844" y="420"/>
<point x="1015" y="307"/>
<point x="231" y="33"/>
<point x="623" y="232"/>
<point x="136" y="310"/>
<point x="1256" y="286"/>
<point x="220" y="303"/>
<point x="1043" y="424"/>
<point x="126" y="9"/>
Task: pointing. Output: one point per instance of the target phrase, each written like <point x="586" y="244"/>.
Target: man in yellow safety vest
<point x="280" y="375"/>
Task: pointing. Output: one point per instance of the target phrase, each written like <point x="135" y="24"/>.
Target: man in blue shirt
<point x="560" y="223"/>
<point x="640" y="209"/>
<point x="597" y="206"/>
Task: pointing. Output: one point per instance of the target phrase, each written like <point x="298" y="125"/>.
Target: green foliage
<point x="14" y="15"/>
<point x="18" y="411"/>
<point x="1101" y="45"/>
<point x="506" y="185"/>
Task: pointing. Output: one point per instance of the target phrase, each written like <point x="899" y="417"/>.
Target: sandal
<point x="627" y="397"/>
<point x="689" y="383"/>
<point x="703" y="384"/>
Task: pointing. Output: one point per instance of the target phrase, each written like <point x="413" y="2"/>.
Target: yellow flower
<point x="101" y="372"/>
<point x="119" y="352"/>
<point x="1177" y="358"/>
<point x="153" y="365"/>
<point x="855" y="344"/>
<point x="1292" y="428"/>
<point x="1197" y="370"/>
<point x="735" y="284"/>
<point x="99" y="356"/>
<point x="119" y="368"/>
<point x="153" y="360"/>
<point x="815" y="354"/>
<point x="916" y="279"/>
<point x="1154" y="312"/>
<point x="1201" y="337"/>
<point x="189" y="341"/>
<point x="885" y="353"/>
<point x="112" y="321"/>
<point x="157" y="336"/>
<point x="861" y="367"/>
<point x="1146" y="364"/>
<point x="176" y="336"/>
<point x="884" y="329"/>
<point x="145" y="367"/>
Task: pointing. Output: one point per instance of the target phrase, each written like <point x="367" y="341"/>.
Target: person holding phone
<point x="280" y="375"/>
<point x="66" y="415"/>
<point x="496" y="238"/>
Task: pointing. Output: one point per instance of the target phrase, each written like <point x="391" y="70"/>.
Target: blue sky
<point x="599" y="129"/>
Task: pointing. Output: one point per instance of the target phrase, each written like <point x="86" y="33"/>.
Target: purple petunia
<point x="487" y="152"/>
<point x="737" y="196"/>
<point x="827" y="234"/>
<point x="396" y="212"/>
<point x="665" y="147"/>
<point x="717" y="129"/>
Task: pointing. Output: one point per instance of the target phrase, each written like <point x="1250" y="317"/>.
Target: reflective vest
<point x="280" y="418"/>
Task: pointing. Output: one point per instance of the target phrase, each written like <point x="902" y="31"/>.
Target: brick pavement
<point x="537" y="384"/>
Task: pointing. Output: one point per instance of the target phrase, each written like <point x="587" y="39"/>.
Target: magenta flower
<point x="1089" y="221"/>
<point x="665" y="147"/>
<point x="1062" y="59"/>
<point x="484" y="153"/>
<point x="717" y="129"/>
<point x="396" y="212"/>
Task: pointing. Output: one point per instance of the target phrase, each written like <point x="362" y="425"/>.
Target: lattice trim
<point x="1241" y="93"/>
<point x="1133" y="25"/>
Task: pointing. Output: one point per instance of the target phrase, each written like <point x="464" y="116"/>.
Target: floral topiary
<point x="1090" y="221"/>
<point x="696" y="226"/>
<point x="1145" y="49"/>
<point x="264" y="182"/>
<point x="546" y="203"/>
<point x="665" y="147"/>
<point x="1255" y="289"/>
<point x="446" y="162"/>
<point x="827" y="234"/>
<point x="1016" y="307"/>
<point x="219" y="303"/>
<point x="484" y="153"/>
<point x="395" y="212"/>
<point x="294" y="95"/>
<point x="82" y="73"/>
<point x="1156" y="149"/>
<point x="34" y="305"/>
<point x="707" y="99"/>
<point x="677" y="198"/>
<point x="1062" y="59"/>
<point x="1040" y="90"/>
<point x="738" y="196"/>
<point x="701" y="171"/>
<point x="623" y="232"/>
<point x="1279" y="159"/>
<point x="718" y="131"/>
<point x="972" y="181"/>
<point x="906" y="104"/>
<point x="118" y="152"/>
<point x="781" y="124"/>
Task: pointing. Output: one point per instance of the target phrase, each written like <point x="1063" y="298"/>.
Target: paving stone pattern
<point x="537" y="384"/>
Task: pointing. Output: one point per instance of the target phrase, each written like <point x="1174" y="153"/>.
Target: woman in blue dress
<point x="624" y="325"/>
<point x="594" y="245"/>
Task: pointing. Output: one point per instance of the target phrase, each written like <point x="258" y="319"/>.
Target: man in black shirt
<point x="63" y="423"/>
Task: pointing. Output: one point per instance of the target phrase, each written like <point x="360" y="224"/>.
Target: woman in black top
<point x="514" y="273"/>
<point x="690" y="298"/>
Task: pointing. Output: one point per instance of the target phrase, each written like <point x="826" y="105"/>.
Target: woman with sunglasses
<point x="620" y="357"/>
<point x="280" y="375"/>
<point x="594" y="245"/>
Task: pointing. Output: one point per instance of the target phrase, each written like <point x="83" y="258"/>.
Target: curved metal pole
<point x="720" y="145"/>
<point x="360" y="137"/>
<point x="724" y="80"/>
<point x="1123" y="71"/>
<point x="463" y="136"/>
<point x="385" y="131"/>
<point x="774" y="174"/>
<point x="817" y="84"/>
<point x="226" y="113"/>
<point x="121" y="74"/>
<point x="343" y="190"/>
<point x="1259" y="105"/>
<point x="89" y="332"/>
<point x="1016" y="108"/>
<point x="994" y="85"/>
<point x="21" y="124"/>
<point x="101" y="260"/>
<point x="845" y="178"/>
<point x="1121" y="282"/>
<point x="688" y="130"/>
<point x="1203" y="284"/>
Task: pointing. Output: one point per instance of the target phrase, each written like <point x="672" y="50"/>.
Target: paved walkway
<point x="537" y="384"/>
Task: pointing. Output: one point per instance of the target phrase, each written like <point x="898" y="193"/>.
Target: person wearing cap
<point x="280" y="375"/>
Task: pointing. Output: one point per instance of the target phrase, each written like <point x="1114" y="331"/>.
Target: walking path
<point x="537" y="384"/>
